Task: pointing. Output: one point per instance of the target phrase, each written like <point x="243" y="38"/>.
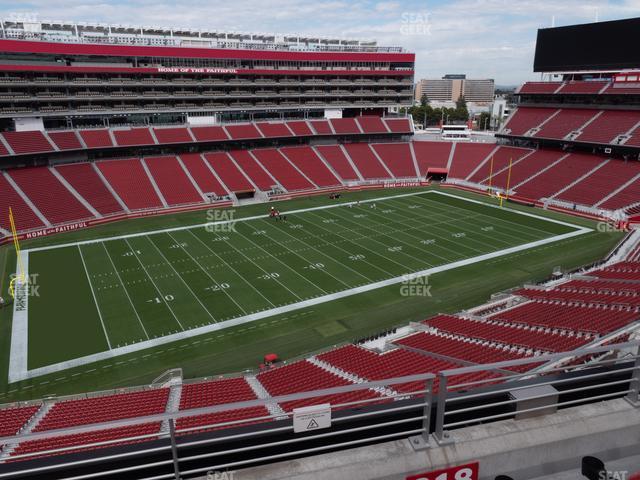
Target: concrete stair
<point x="28" y="427"/>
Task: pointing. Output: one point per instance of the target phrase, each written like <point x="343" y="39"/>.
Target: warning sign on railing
<point x="307" y="419"/>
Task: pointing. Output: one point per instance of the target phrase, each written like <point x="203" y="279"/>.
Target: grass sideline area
<point x="292" y="333"/>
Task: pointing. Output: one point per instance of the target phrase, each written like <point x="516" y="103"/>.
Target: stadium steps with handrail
<point x="534" y="130"/>
<point x="334" y="158"/>
<point x="397" y="158"/>
<point x="324" y="161"/>
<point x="28" y="427"/>
<point x="579" y="131"/>
<point x="259" y="167"/>
<point x="414" y="159"/>
<point x="109" y="187"/>
<point x="261" y="392"/>
<point x="553" y="180"/>
<point x="384" y="165"/>
<point x="482" y="163"/>
<point x="26" y="199"/>
<point x="500" y="160"/>
<point x="579" y="179"/>
<point x="565" y="122"/>
<point x="366" y="161"/>
<point x="352" y="377"/>
<point x="173" y="404"/>
<point x="190" y="177"/>
<point x="541" y="171"/>
<point x="629" y="134"/>
<point x="507" y="167"/>
<point x="203" y="173"/>
<point x="615" y="192"/>
<point x="5" y="147"/>
<point x="155" y="186"/>
<point x="75" y="193"/>
<point x="452" y="154"/>
<point x="351" y="162"/>
<point x="307" y="162"/>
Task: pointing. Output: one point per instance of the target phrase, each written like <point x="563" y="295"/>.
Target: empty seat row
<point x="35" y="141"/>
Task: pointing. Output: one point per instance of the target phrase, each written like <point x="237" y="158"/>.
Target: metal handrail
<point x="447" y="396"/>
<point x="173" y="416"/>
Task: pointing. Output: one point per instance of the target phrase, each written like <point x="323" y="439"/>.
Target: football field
<point x="98" y="299"/>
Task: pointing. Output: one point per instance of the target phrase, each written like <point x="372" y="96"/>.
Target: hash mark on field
<point x="154" y="284"/>
<point x="125" y="291"/>
<point x="95" y="300"/>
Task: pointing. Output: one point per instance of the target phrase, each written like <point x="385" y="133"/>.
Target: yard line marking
<point x="505" y="224"/>
<point x="125" y="290"/>
<point x="301" y="210"/>
<point x="18" y="356"/>
<point x="389" y="274"/>
<point x="373" y="251"/>
<point x="326" y="255"/>
<point x="263" y="270"/>
<point x="208" y="274"/>
<point x="186" y="334"/>
<point x="406" y="232"/>
<point x="287" y="266"/>
<point x="474" y="227"/>
<point x="471" y="228"/>
<point x="221" y="222"/>
<point x="229" y="265"/>
<point x="446" y="236"/>
<point x="493" y="220"/>
<point x="95" y="300"/>
<point x="182" y="279"/>
<point x="154" y="283"/>
<point x="508" y="209"/>
<point x="414" y="258"/>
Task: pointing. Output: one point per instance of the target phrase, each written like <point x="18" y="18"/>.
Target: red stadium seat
<point x="175" y="186"/>
<point x="87" y="183"/>
<point x="49" y="195"/>
<point x="28" y="142"/>
<point x="131" y="183"/>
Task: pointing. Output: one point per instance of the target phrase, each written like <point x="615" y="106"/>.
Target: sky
<point x="481" y="38"/>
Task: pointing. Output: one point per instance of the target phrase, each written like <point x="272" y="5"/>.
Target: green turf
<point x="190" y="266"/>
<point x="124" y="291"/>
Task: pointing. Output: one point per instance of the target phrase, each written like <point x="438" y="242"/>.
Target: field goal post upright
<point x="19" y="276"/>
<point x="506" y="191"/>
<point x="490" y="176"/>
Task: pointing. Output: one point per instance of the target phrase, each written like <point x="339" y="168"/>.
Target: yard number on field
<point x="166" y="298"/>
